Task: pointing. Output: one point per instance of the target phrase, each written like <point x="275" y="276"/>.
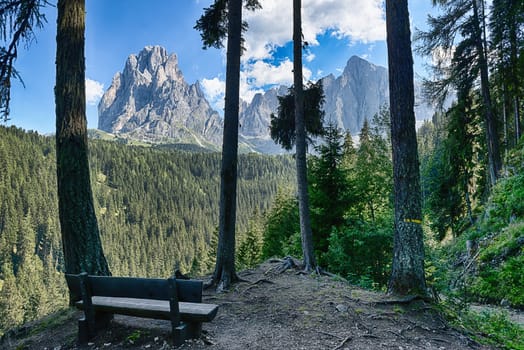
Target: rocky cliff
<point x="150" y="100"/>
<point x="357" y="94"/>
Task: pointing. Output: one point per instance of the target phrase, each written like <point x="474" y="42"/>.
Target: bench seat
<point x="149" y="308"/>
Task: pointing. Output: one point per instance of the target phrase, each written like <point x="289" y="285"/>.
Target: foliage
<point x="450" y="171"/>
<point x="157" y="211"/>
<point x="506" y="203"/>
<point x="492" y="271"/>
<point x="362" y="253"/>
<point x="249" y="251"/>
<point x="213" y="24"/>
<point x="501" y="268"/>
<point x="282" y="126"/>
<point x="344" y="182"/>
<point x="280" y="224"/>
<point x="18" y="21"/>
<point x="330" y="191"/>
<point x="493" y="328"/>
<point x="373" y="177"/>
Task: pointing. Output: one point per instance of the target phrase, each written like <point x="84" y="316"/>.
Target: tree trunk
<point x="407" y="276"/>
<point x="516" y="113"/>
<point x="225" y="273"/>
<point x="300" y="129"/>
<point x="80" y="234"/>
<point x="492" y="138"/>
<point x="513" y="38"/>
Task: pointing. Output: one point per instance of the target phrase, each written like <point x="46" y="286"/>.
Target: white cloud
<point x="270" y="27"/>
<point x="310" y="57"/>
<point x="259" y="75"/>
<point x="94" y="91"/>
<point x="215" y="89"/>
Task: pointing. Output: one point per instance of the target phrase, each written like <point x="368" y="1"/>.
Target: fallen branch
<point x="348" y="338"/>
<point x="330" y="334"/>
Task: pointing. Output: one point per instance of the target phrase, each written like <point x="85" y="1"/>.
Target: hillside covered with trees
<point x="157" y="211"/>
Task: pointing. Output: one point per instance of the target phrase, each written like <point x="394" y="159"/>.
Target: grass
<point x="489" y="328"/>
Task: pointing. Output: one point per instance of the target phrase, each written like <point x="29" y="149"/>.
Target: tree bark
<point x="80" y="234"/>
<point x="225" y="273"/>
<point x="407" y="276"/>
<point x="300" y="130"/>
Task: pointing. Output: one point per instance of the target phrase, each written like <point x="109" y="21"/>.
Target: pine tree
<point x="329" y="189"/>
<point x="213" y="29"/>
<point x="460" y="31"/>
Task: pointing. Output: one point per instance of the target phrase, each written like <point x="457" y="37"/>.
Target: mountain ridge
<point x="150" y="100"/>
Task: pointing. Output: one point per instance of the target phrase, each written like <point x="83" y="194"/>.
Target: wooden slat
<point x="132" y="287"/>
<point x="189" y="312"/>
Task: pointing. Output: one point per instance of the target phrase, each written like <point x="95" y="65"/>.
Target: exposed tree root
<point x="254" y="284"/>
<point x="348" y="338"/>
<point x="405" y="300"/>
<point x="283" y="265"/>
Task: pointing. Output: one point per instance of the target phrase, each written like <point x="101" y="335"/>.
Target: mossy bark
<point x="79" y="227"/>
<point x="407" y="276"/>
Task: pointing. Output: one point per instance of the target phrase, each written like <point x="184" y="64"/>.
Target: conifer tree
<point x="507" y="39"/>
<point x="459" y="32"/>
<point x="300" y="130"/>
<point x="329" y="189"/>
<point x="407" y="276"/>
<point x="225" y="17"/>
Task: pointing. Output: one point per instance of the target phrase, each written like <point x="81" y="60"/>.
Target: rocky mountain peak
<point x="151" y="100"/>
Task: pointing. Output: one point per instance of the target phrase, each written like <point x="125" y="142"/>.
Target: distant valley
<point x="150" y="101"/>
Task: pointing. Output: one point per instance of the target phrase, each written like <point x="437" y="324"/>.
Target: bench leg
<point x="83" y="331"/>
<point x="87" y="332"/>
<point x="179" y="334"/>
<point x="194" y="330"/>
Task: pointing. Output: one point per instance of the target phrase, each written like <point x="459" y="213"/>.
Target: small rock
<point x="90" y="344"/>
<point x="504" y="302"/>
<point x="341" y="308"/>
<point x="156" y="339"/>
<point x="147" y="346"/>
<point x="107" y="344"/>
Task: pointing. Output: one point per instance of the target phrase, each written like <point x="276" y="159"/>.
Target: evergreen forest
<point x="157" y="210"/>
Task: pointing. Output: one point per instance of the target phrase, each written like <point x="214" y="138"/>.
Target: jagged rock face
<point x="354" y="96"/>
<point x="150" y="100"/>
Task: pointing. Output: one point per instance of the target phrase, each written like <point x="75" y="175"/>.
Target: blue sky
<point x="336" y="30"/>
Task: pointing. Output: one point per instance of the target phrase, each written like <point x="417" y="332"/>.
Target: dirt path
<point x="278" y="311"/>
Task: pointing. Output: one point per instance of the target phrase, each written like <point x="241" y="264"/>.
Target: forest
<point x="437" y="213"/>
<point x="157" y="210"/>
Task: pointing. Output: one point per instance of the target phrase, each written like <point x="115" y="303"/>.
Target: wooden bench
<point x="179" y="301"/>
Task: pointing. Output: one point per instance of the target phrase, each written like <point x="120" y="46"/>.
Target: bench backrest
<point x="131" y="287"/>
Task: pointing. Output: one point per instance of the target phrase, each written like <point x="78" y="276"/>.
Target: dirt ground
<point x="270" y="311"/>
